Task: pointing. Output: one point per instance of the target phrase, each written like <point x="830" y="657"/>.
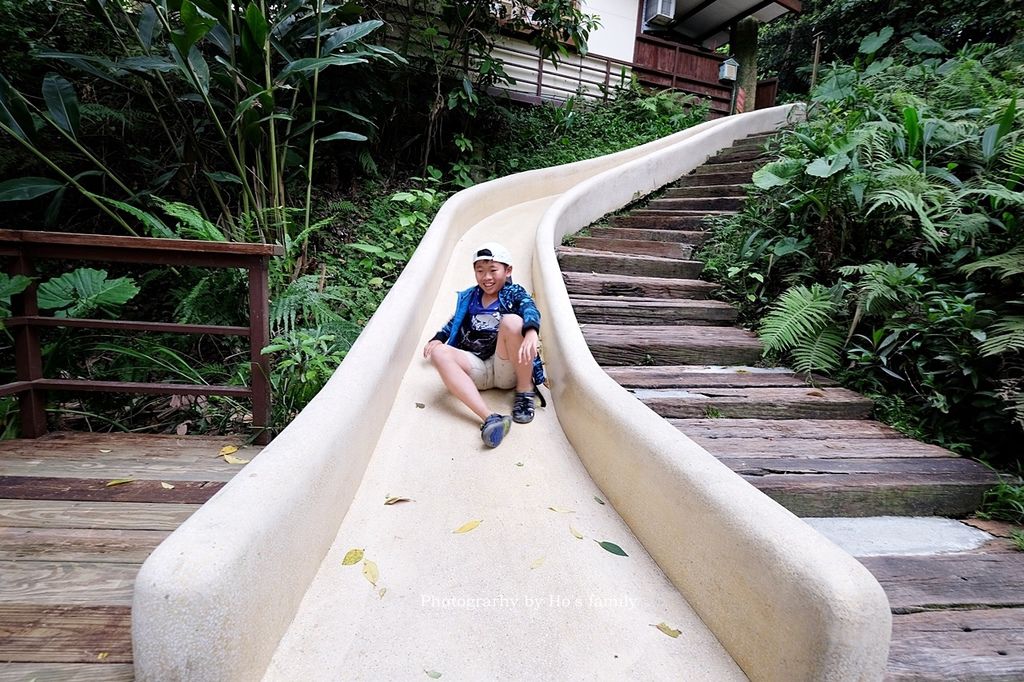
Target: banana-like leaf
<point x="196" y="23"/>
<point x="146" y="64"/>
<point x="99" y="67"/>
<point x="257" y="24"/>
<point x="148" y="25"/>
<point x="24" y="189"/>
<point x="84" y="291"/>
<point x="13" y="112"/>
<point x="318" y="64"/>
<point x="349" y="34"/>
<point x="343" y="135"/>
<point x="62" y="103"/>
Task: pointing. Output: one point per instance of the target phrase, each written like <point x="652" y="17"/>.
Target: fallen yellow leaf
<point x="668" y="631"/>
<point x="468" y="526"/>
<point x="102" y="655"/>
<point x="166" y="486"/>
<point x="371" y="572"/>
<point x="396" y="500"/>
<point x="119" y="481"/>
<point x="231" y="459"/>
<point x="537" y="563"/>
<point x="381" y="592"/>
<point x="816" y="394"/>
<point x="106" y="451"/>
<point x="227" y="450"/>
<point x="560" y="510"/>
<point x="576" y="534"/>
<point x="354" y="556"/>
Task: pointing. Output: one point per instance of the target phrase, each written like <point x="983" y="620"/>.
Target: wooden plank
<point x="825" y="448"/>
<point x="747" y="167"/>
<point x="945" y="581"/>
<point x="784" y="428"/>
<point x="714" y="176"/>
<point x="764" y="403"/>
<point x="722" y="190"/>
<point x="697" y="203"/>
<point x="660" y="221"/>
<point x="645" y="311"/>
<point x="66" y="672"/>
<point x="33" y="633"/>
<point x="736" y="154"/>
<point x="949" y="469"/>
<point x="41" y="488"/>
<point x="680" y="236"/>
<point x="27" y="237"/>
<point x="584" y="260"/>
<point x="685" y="376"/>
<point x="108" y="515"/>
<point x="872" y="494"/>
<point x="64" y="582"/>
<point x="625" y="285"/>
<point x="671" y="345"/>
<point x="81" y="463"/>
<point x="661" y="249"/>
<point x="976" y="644"/>
<point x="77" y="544"/>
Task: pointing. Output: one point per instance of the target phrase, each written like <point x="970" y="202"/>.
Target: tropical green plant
<point x="898" y="201"/>
<point x="84" y="291"/>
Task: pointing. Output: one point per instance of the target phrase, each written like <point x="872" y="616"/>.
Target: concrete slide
<point x="253" y="585"/>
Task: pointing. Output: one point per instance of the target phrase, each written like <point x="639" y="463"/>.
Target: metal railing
<point x="24" y="248"/>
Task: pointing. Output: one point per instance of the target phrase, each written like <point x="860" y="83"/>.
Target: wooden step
<point x="584" y="260"/>
<point x="693" y="238"/>
<point x="756" y="403"/>
<point x="742" y="153"/>
<point x="729" y="167"/>
<point x="591" y="283"/>
<point x="910" y="486"/>
<point x="661" y="221"/>
<point x="713" y="178"/>
<point x="837" y="447"/>
<point x="662" y="249"/>
<point x="784" y="428"/>
<point x="645" y="311"/>
<point x="708" y="376"/>
<point x="698" y="203"/>
<point x="670" y="345"/>
<point x="703" y="191"/>
<point x="972" y="643"/>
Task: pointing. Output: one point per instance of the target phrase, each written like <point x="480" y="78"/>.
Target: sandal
<point x="494" y="429"/>
<point x="522" y="408"/>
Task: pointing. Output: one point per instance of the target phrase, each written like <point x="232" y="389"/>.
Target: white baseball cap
<point x="492" y="251"/>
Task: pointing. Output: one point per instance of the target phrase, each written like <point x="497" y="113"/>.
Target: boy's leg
<point x="510" y="337"/>
<point x="454" y="367"/>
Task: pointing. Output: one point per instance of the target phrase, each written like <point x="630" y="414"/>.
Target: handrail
<point x="27" y="246"/>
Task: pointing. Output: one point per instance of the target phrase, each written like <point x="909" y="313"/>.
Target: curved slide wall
<point x="252" y="585"/>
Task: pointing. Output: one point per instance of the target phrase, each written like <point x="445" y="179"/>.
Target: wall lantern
<point x="728" y="70"/>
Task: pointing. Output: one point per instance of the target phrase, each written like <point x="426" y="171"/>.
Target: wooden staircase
<point x="650" y="322"/>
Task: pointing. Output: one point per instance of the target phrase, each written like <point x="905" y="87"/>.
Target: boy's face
<point x="491" y="275"/>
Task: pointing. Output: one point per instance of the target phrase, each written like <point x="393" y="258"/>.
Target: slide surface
<point x="718" y="581"/>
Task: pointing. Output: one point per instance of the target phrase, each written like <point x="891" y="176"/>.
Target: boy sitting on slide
<point x="491" y="342"/>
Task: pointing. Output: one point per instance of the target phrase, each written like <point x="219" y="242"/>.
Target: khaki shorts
<point x="492" y="372"/>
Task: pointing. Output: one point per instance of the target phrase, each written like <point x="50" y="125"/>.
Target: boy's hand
<point x="528" y="348"/>
<point x="429" y="348"/>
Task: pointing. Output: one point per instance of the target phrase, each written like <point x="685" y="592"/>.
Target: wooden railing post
<point x="28" y="355"/>
<point x="540" y="74"/>
<point x="259" y="338"/>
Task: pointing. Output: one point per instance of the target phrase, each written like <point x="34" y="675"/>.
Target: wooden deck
<point x="70" y="544"/>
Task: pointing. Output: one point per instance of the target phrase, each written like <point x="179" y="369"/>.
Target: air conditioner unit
<point x="660" y="12"/>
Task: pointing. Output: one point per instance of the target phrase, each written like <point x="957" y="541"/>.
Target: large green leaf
<point x="84" y="291"/>
<point x="23" y="189"/>
<point x="195" y="23"/>
<point x="777" y="173"/>
<point x="153" y="225"/>
<point x="257" y="24"/>
<point x="13" y="112"/>
<point x="349" y="34"/>
<point x="318" y="64"/>
<point x="10" y="286"/>
<point x="827" y="166"/>
<point x="343" y="135"/>
<point x="873" y="42"/>
<point x="62" y="103"/>
<point x="148" y="25"/>
<point x="144" y="64"/>
<point x="922" y="44"/>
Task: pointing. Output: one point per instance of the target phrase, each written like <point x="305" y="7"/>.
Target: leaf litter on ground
<point x="671" y="632"/>
<point x="611" y="547"/>
<point x="353" y="556"/>
<point x="468" y="526"/>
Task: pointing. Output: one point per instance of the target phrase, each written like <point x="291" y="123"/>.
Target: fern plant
<point x="803" y="322"/>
